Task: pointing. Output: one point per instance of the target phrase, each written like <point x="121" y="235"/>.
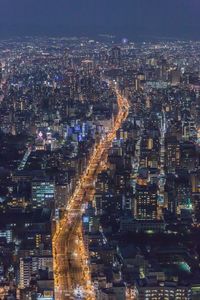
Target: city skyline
<point x="99" y="150"/>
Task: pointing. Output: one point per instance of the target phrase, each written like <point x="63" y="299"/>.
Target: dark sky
<point x="124" y="18"/>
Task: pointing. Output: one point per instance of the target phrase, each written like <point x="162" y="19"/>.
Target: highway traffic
<point x="72" y="278"/>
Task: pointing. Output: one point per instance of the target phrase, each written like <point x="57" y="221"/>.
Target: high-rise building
<point x="164" y="291"/>
<point x="175" y="77"/>
<point x="163" y="69"/>
<point x="61" y="195"/>
<point x="7" y="234"/>
<point x="25" y="272"/>
<point x="172" y="147"/>
<point x="1" y="73"/>
<point x="42" y="193"/>
<point x="30" y="266"/>
<point x="146" y="202"/>
<point x="115" y="56"/>
<point x="195" y="182"/>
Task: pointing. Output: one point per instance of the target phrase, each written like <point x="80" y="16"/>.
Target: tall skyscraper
<point x="175" y="77"/>
<point x="115" y="56"/>
<point x="25" y="269"/>
<point x="172" y="147"/>
<point x="1" y="73"/>
<point x="146" y="202"/>
<point x="42" y="193"/>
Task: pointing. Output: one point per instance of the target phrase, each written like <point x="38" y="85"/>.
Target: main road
<point x="72" y="278"/>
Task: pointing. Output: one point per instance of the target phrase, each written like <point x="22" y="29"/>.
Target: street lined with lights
<point x="72" y="278"/>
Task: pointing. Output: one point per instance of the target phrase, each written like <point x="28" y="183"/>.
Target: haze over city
<point x="135" y="19"/>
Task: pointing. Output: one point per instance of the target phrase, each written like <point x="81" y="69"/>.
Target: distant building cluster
<point x="141" y="228"/>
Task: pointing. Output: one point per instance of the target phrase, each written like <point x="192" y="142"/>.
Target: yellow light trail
<point x="70" y="258"/>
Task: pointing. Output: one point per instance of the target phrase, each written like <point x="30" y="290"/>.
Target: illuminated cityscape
<point x="99" y="150"/>
<point x="99" y="169"/>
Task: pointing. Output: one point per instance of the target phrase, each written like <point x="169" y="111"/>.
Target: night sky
<point x="135" y="19"/>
